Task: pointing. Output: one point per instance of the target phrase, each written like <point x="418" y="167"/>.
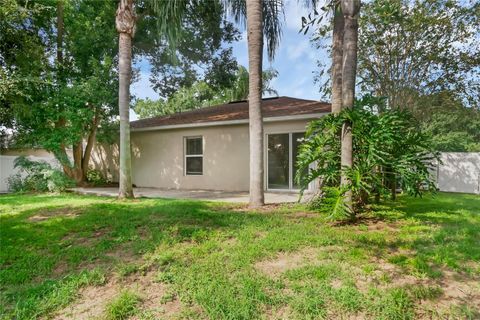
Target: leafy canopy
<point x="202" y="94"/>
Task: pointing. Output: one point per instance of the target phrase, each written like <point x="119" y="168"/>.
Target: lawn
<point x="79" y="257"/>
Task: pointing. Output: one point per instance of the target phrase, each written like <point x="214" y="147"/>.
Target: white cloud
<point x="142" y="88"/>
<point x="301" y="49"/>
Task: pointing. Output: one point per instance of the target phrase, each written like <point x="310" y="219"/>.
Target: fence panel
<point x="459" y="172"/>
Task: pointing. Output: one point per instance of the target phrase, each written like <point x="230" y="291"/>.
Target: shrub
<point x="95" y="177"/>
<point x="389" y="150"/>
<point x="37" y="176"/>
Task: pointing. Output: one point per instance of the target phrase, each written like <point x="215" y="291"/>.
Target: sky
<point x="295" y="61"/>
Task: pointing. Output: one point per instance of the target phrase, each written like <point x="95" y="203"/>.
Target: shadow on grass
<point x="441" y="229"/>
<point x="98" y="228"/>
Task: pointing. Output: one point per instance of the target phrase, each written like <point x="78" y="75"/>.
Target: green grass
<point x="393" y="264"/>
<point x="122" y="307"/>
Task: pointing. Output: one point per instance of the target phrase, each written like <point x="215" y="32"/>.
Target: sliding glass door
<point x="282" y="150"/>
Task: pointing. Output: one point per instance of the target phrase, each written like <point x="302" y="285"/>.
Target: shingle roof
<point x="271" y="107"/>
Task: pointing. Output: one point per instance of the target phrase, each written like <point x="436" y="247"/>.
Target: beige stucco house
<point x="208" y="148"/>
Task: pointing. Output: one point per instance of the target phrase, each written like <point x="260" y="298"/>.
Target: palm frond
<point x="273" y="19"/>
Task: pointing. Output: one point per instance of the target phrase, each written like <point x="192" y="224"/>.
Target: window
<point x="193" y="156"/>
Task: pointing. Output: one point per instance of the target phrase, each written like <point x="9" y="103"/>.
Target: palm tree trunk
<point x="255" y="57"/>
<point x="350" y="9"/>
<point x="337" y="59"/>
<point x="125" y="23"/>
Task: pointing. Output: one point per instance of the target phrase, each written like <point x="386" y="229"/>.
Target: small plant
<point x="37" y="176"/>
<point x="95" y="177"/>
<point x="331" y="202"/>
<point x="123" y="306"/>
<point x="127" y="269"/>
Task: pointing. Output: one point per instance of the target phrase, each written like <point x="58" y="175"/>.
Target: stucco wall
<point x="105" y="159"/>
<point x="158" y="156"/>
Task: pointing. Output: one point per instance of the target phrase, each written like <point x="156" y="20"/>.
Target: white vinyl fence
<point x="458" y="172"/>
<point x="7" y="168"/>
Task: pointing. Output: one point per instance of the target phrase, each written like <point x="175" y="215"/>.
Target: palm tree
<point x="262" y="18"/>
<point x="255" y="57"/>
<point x="125" y="23"/>
<point x="337" y="58"/>
<point x="351" y="10"/>
<point x="169" y="16"/>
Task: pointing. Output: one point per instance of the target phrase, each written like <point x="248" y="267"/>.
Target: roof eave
<point x="231" y="122"/>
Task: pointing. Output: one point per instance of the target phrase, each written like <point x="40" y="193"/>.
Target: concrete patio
<point x="221" y="196"/>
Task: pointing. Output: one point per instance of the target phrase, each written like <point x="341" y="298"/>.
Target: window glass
<point x="278" y="161"/>
<point x="194" y="165"/>
<point x="194" y="146"/>
<point x="194" y="156"/>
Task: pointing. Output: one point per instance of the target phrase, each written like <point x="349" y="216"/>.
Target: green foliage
<point x="38" y="177"/>
<point x="122" y="307"/>
<point x="202" y="44"/>
<point x="96" y="177"/>
<point x="56" y="103"/>
<point x="202" y="94"/>
<point x="407" y="48"/>
<point x="388" y="149"/>
<point x="453" y="126"/>
<point x="332" y="203"/>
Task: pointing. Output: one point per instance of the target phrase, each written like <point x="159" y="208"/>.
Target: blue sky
<point x="295" y="61"/>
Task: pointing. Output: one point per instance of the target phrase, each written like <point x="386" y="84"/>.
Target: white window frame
<point x="185" y="155"/>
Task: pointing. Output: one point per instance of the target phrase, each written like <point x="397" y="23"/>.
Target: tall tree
<point x="168" y="16"/>
<point x="255" y="58"/>
<point x="262" y="19"/>
<point x="337" y="58"/>
<point x="408" y="48"/>
<point x="59" y="65"/>
<point x="350" y="10"/>
<point x="125" y="24"/>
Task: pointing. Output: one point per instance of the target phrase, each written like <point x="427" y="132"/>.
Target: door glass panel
<point x="297" y="140"/>
<point x="278" y="161"/>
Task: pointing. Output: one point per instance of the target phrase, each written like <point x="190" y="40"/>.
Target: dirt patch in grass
<point x="280" y="313"/>
<point x="286" y="261"/>
<point x="65" y="212"/>
<point x="302" y="214"/>
<point x="369" y="224"/>
<point x="156" y="298"/>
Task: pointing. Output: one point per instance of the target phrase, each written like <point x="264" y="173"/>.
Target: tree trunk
<point x="60" y="29"/>
<point x="255" y="57"/>
<point x="337" y="59"/>
<point x="76" y="172"/>
<point x="350" y="9"/>
<point x="125" y="23"/>
<point x="90" y="143"/>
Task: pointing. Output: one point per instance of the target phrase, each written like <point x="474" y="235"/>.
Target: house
<point x="208" y="148"/>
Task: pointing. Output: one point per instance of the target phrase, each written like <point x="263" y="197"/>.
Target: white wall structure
<point x="459" y="172"/>
<point x="7" y="168"/>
